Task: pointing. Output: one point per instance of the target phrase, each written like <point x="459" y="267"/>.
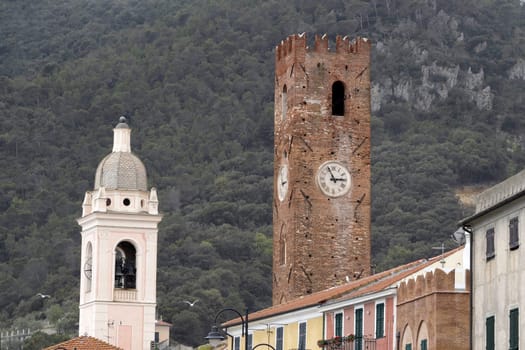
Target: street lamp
<point x="216" y="336"/>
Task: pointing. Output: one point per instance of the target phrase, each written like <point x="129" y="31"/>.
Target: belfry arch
<point x="125" y="265"/>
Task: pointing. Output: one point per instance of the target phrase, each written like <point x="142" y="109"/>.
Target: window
<point x="125" y="269"/>
<point x="88" y="266"/>
<point x="358" y="329"/>
<point x="380" y="320"/>
<point x="338" y="324"/>
<point x="237" y="343"/>
<point x="514" y="329"/>
<point x="489" y="333"/>
<point x="279" y="338"/>
<point x="338" y="98"/>
<point x="424" y="345"/>
<point x="284" y="106"/>
<point x="408" y="346"/>
<point x="514" y="238"/>
<point x="250" y="341"/>
<point x="490" y="252"/>
<point x="302" y="336"/>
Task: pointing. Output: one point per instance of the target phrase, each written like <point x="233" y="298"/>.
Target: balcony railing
<point x="124" y="294"/>
<point x="348" y="343"/>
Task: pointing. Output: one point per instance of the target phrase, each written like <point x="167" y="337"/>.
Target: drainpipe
<point x="469" y="240"/>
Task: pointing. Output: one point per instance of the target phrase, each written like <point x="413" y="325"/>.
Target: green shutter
<point x="424" y="344"/>
<point x="380" y="320"/>
<point x="489" y="330"/>
<point x="408" y="347"/>
<point x="514" y="330"/>
<point x="358" y="342"/>
<point x="339" y="325"/>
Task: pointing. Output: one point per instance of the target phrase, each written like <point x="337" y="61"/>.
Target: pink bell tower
<point x="119" y="250"/>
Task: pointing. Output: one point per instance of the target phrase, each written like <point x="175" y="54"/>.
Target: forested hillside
<point x="195" y="78"/>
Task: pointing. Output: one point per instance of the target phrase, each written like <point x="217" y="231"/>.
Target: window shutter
<point x="514" y="239"/>
<point x="380" y="320"/>
<point x="302" y="336"/>
<point x="490" y="250"/>
<point x="279" y="339"/>
<point x="489" y="330"/>
<point x="514" y="330"/>
<point x="339" y="325"/>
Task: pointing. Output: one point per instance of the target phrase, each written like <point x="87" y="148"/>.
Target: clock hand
<point x="332" y="177"/>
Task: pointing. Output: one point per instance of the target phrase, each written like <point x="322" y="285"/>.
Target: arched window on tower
<point x="284" y="106"/>
<point x="125" y="266"/>
<point x="338" y="98"/>
<point x="88" y="266"/>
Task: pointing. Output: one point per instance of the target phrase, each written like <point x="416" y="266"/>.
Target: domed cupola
<point x="121" y="169"/>
<point x="121" y="181"/>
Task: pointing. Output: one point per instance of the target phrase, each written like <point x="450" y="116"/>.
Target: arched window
<point x="125" y="266"/>
<point x="338" y="98"/>
<point x="422" y="336"/>
<point x="88" y="266"/>
<point x="407" y="340"/>
<point x="284" y="106"/>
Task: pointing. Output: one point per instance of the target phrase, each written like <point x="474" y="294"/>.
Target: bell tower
<point x="119" y="250"/>
<point x="321" y="211"/>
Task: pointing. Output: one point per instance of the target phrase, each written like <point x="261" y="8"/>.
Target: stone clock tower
<point x="321" y="209"/>
<point x="119" y="250"/>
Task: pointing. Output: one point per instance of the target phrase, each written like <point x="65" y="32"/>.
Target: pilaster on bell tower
<point x="321" y="211"/>
<point x="119" y="250"/>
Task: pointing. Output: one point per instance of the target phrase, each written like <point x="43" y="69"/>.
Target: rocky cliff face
<point x="429" y="78"/>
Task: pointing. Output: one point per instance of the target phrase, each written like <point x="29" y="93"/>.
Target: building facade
<point x="376" y="312"/>
<point x="498" y="262"/>
<point x="119" y="250"/>
<point x="321" y="211"/>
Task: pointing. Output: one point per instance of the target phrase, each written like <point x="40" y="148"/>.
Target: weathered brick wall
<point x="325" y="239"/>
<point x="433" y="300"/>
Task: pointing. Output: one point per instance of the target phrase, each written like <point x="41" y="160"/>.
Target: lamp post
<point x="215" y="336"/>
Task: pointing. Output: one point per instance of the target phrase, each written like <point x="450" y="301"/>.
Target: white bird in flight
<point x="190" y="303"/>
<point x="43" y="296"/>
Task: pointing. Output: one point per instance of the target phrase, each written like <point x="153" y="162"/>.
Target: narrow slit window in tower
<point x="284" y="107"/>
<point x="338" y="98"/>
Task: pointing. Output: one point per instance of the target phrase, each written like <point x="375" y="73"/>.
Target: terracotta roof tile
<point x="163" y="323"/>
<point x="83" y="343"/>
<point x="363" y="286"/>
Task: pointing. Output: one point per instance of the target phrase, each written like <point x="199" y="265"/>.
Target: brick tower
<point x="321" y="211"/>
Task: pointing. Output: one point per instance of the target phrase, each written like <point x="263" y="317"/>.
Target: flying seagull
<point x="190" y="303"/>
<point x="43" y="296"/>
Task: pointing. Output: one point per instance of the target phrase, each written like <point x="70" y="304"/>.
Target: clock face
<point x="88" y="268"/>
<point x="282" y="182"/>
<point x="333" y="179"/>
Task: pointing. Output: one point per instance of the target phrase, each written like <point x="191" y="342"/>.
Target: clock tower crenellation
<point x="322" y="165"/>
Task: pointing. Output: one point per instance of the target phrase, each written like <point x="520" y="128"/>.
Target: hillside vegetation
<point x="196" y="80"/>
